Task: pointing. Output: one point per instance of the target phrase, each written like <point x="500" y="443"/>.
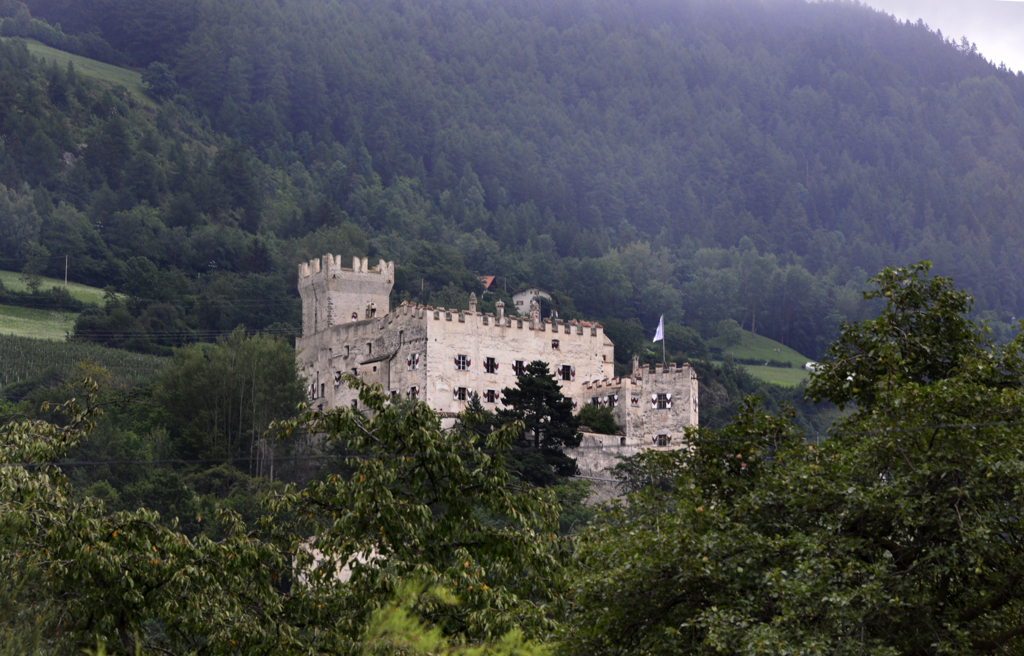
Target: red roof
<point x="487" y="281"/>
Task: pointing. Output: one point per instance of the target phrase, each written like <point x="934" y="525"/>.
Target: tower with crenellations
<point x="332" y="295"/>
<point x="444" y="356"/>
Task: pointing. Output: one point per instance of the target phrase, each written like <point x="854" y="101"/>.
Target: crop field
<point x="22" y="358"/>
<point x="92" y="295"/>
<point x="114" y="75"/>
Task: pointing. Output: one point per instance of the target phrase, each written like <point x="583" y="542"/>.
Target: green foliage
<point x="548" y="425"/>
<point x="78" y="574"/>
<point x="907" y="517"/>
<point x="396" y="628"/>
<point x="219" y="400"/>
<point x="599" y="419"/>
<point x="411" y="506"/>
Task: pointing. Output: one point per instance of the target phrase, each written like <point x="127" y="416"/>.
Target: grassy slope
<point x="42" y="324"/>
<point x="84" y="293"/>
<point x="759" y="347"/>
<point x="114" y="75"/>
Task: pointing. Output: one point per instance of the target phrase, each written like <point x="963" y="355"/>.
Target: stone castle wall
<point x="414" y="351"/>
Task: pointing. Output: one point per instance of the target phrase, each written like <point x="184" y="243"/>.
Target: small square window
<point x="554" y="344"/>
<point x="491" y="396"/>
<point x="565" y="372"/>
<point x="462" y="362"/>
<point x="461" y="393"/>
<point x="491" y="365"/>
<point x="519" y="368"/>
<point x="662" y="402"/>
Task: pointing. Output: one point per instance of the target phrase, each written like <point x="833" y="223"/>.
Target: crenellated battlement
<point x="658" y="374"/>
<point x="444" y="356"/>
<point x="333" y="294"/>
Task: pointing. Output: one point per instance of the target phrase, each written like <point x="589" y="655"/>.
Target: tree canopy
<point x="901" y="534"/>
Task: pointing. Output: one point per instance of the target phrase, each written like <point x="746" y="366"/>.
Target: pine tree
<point x="549" y="425"/>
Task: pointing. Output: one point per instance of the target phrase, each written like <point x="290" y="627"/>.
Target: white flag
<point x="660" y="333"/>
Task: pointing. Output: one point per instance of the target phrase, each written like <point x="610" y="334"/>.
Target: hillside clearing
<point x="39" y="324"/>
<point x="97" y="70"/>
<point x="759" y="347"/>
<point x="92" y="295"/>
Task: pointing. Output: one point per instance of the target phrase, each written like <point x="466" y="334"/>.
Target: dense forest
<point x="711" y="161"/>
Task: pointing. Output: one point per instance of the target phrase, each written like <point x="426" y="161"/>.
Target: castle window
<point x="346" y="351"/>
<point x="355" y="316"/>
<point x="461" y="393"/>
<point x="554" y="344"/>
<point x="414" y="392"/>
<point x="519" y="368"/>
<point x="413" y="361"/>
<point x="393" y="394"/>
<point x="613" y="400"/>
<point x="662" y="401"/>
<point x="462" y="362"/>
<point x="662" y="440"/>
<point x="355" y="371"/>
<point x="491" y="365"/>
<point x="355" y="403"/>
<point x="323" y="389"/>
<point x="596" y="401"/>
<point x="567" y="372"/>
<point x="622" y="441"/>
<point x="491" y="396"/>
<point x="369" y="348"/>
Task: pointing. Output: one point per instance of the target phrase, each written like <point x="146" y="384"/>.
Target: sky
<point x="996" y="26"/>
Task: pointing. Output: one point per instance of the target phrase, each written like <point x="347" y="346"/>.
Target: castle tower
<point x="332" y="295"/>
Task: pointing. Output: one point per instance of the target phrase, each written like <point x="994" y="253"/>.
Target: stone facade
<point x="443" y="356"/>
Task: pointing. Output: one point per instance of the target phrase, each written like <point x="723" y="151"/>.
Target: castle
<point x="443" y="356"/>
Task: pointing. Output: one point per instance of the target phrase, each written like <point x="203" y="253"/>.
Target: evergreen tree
<point x="549" y="425"/>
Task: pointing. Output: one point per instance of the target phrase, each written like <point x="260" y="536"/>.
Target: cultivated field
<point x="22" y="358"/>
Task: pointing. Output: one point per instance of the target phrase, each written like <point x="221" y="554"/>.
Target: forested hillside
<point x="707" y="160"/>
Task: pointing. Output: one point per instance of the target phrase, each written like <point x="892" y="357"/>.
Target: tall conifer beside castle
<point x="550" y="426"/>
